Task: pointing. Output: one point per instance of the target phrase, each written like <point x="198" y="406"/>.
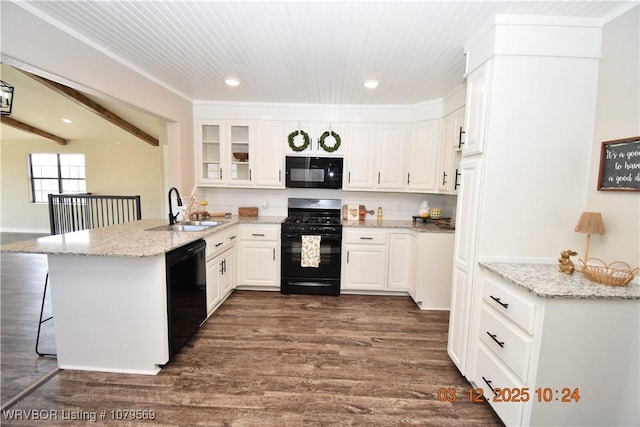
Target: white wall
<point x="128" y="167"/>
<point x="617" y="117"/>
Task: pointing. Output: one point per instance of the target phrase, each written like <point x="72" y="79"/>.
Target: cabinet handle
<point x="408" y="178"/>
<point x="221" y="268"/>
<point x="279" y="175"/>
<point x="220" y="173"/>
<point x="257" y="234"/>
<point x="219" y="244"/>
<point x="460" y="141"/>
<point x="444" y="178"/>
<point x="224" y="265"/>
<point x="495" y="338"/>
<point x="232" y="237"/>
<point x="274" y="254"/>
<point x="488" y="383"/>
<point x="456" y="184"/>
<point x="366" y="238"/>
<point x="504" y="304"/>
<point x="347" y="257"/>
<point x="249" y="174"/>
<point x="349" y="179"/>
<point x="378" y="177"/>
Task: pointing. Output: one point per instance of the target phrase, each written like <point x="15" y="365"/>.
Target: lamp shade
<point x="590" y="223"/>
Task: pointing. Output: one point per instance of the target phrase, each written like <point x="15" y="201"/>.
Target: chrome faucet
<point x="172" y="217"/>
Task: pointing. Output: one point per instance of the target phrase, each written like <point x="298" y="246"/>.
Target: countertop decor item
<point x="292" y="143"/>
<point x="589" y="223"/>
<point x="615" y="274"/>
<point x="362" y="212"/>
<point x="335" y="146"/>
<point x="565" y="264"/>
<point x="250" y="211"/>
<point x="435" y="213"/>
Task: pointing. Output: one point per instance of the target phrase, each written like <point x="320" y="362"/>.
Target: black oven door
<point x="324" y="279"/>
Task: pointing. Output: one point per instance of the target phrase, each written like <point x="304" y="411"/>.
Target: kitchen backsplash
<point x="396" y="206"/>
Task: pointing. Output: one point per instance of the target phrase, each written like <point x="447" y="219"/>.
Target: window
<point x="55" y="174"/>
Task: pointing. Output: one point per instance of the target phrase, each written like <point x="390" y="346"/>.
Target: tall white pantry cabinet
<point x="529" y="116"/>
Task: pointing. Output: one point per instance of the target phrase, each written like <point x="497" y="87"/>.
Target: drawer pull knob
<point x="494" y="337"/>
<point x="218" y="244"/>
<point x="488" y="383"/>
<point x="505" y="305"/>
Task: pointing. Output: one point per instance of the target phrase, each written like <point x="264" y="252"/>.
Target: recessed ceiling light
<point x="67" y="121"/>
<point x="371" y="84"/>
<point x="232" y="81"/>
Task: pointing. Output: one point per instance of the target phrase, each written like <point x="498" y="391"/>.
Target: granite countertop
<point x="131" y="239"/>
<point x="418" y="226"/>
<point x="546" y="281"/>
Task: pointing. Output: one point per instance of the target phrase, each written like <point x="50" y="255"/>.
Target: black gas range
<point x="311" y="244"/>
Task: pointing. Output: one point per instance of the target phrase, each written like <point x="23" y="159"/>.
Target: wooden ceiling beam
<point x="98" y="109"/>
<point x="32" y="129"/>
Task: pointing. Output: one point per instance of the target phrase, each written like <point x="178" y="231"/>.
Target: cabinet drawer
<point x="216" y="243"/>
<point x="510" y="303"/>
<point x="506" y="342"/>
<point x="490" y="375"/>
<point x="366" y="236"/>
<point x="250" y="232"/>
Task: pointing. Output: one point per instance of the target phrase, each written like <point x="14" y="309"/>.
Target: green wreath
<point x="292" y="143"/>
<point x="327" y="148"/>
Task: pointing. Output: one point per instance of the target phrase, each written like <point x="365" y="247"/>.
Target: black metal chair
<point x="74" y="212"/>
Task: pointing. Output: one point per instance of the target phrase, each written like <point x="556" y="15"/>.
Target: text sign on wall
<point x="620" y="165"/>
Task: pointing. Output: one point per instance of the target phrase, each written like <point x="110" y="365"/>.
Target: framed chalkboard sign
<point x="620" y="165"/>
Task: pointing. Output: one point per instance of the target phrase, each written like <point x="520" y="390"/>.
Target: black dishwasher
<point x="186" y="292"/>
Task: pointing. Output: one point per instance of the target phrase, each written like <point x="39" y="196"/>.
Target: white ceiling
<point x="316" y="52"/>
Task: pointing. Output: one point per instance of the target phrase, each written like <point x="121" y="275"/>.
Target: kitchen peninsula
<point x="108" y="287"/>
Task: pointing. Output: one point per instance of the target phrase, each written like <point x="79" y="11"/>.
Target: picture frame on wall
<point x="620" y="165"/>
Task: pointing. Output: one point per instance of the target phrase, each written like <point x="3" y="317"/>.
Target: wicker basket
<point x="608" y="274"/>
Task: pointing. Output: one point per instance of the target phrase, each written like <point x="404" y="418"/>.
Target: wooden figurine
<point x="565" y="263"/>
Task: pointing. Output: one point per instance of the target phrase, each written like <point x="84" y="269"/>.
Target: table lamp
<point x="589" y="223"/>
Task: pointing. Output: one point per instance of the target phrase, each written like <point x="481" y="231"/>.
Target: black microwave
<point x="313" y="172"/>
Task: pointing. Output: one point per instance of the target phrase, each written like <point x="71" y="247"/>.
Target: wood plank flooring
<point x="267" y="359"/>
<point x="21" y="284"/>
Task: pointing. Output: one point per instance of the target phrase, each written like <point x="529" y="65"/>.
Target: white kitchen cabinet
<point x="216" y="143"/>
<point x="359" y="166"/>
<point x="402" y="255"/>
<point x="376" y="157"/>
<point x="267" y="156"/>
<point x="364" y="259"/>
<point x="576" y="358"/>
<point x="422" y="156"/>
<point x="448" y="178"/>
<point x="464" y="261"/>
<point x="315" y="131"/>
<point x="431" y="287"/>
<point x="259" y="256"/>
<point x="220" y="253"/>
<point x="477" y="109"/>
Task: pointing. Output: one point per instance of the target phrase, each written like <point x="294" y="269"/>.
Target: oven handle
<point x="324" y="236"/>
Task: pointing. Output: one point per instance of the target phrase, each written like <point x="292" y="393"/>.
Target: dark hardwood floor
<point x="21" y="284"/>
<point x="267" y="359"/>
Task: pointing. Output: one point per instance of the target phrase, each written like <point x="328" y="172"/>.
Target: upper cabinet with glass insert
<point x="223" y="152"/>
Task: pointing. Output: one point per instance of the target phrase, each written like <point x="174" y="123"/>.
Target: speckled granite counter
<point x="545" y="281"/>
<point x="132" y="239"/>
<point x="419" y="226"/>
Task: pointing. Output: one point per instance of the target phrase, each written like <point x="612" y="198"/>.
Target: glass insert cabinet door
<point x="211" y="152"/>
<point x="240" y="162"/>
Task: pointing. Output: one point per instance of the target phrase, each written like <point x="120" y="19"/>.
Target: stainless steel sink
<point x="179" y="227"/>
<point x="205" y="223"/>
<point x="186" y="226"/>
